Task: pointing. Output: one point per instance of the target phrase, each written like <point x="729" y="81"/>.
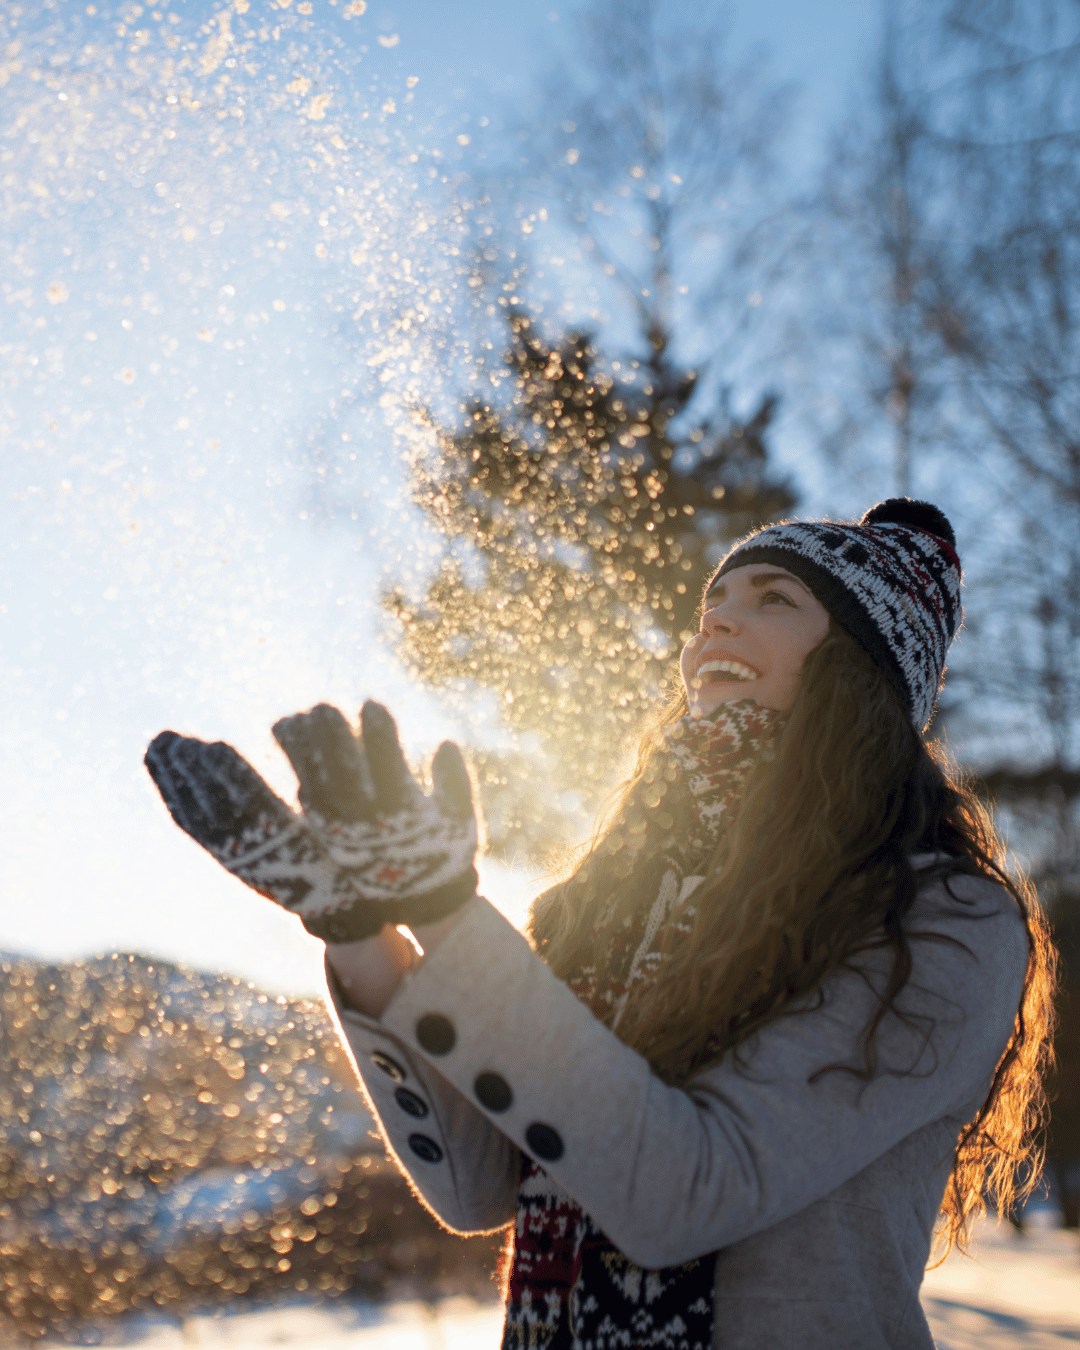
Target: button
<point x="389" y="1066"/>
<point x="410" y="1103"/>
<point x="435" y="1034"/>
<point x="425" y="1148"/>
<point x="544" y="1142"/>
<point x="493" y="1091"/>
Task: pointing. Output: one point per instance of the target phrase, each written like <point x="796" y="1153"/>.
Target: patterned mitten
<point x="369" y="849"/>
<point x="714" y="756"/>
<point x="401" y="850"/>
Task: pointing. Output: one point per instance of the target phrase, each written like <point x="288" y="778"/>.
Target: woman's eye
<point x="777" y="596"/>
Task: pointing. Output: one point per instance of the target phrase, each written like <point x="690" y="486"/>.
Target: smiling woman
<point x="758" y="626"/>
<point x="786" y="1011"/>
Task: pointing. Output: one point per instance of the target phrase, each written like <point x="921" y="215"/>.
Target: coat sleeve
<point x="671" y="1173"/>
<point x="464" y="1169"/>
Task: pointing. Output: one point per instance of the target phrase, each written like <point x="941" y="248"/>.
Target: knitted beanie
<point x="892" y="580"/>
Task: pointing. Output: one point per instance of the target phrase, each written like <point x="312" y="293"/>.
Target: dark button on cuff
<point x="410" y="1103"/>
<point x="435" y="1034"/>
<point x="425" y="1148"/>
<point x="389" y="1066"/>
<point x="493" y="1091"/>
<point x="545" y="1142"/>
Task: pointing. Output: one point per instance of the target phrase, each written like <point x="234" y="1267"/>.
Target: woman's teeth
<point x="726" y="670"/>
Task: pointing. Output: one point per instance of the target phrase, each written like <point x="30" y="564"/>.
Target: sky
<point x="216" y="316"/>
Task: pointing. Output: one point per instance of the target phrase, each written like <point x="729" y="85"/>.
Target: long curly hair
<point x="816" y="868"/>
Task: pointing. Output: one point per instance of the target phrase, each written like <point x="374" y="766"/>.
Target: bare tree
<point x="877" y="355"/>
<point x="1001" y="291"/>
<point x="658" y="154"/>
<point x="956" y="213"/>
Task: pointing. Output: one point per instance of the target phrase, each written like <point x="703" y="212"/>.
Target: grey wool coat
<point x="819" y="1197"/>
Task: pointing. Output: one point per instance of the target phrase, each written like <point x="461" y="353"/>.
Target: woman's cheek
<point x="686" y="661"/>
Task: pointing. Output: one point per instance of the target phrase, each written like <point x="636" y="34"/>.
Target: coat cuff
<point x="463" y="1171"/>
<point x="516" y="1042"/>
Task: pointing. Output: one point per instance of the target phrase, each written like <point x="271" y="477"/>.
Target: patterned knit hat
<point x="892" y="580"/>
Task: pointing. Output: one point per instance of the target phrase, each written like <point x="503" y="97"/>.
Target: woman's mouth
<point x="719" y="672"/>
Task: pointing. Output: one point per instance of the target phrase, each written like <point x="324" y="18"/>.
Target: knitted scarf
<point x="570" y="1288"/>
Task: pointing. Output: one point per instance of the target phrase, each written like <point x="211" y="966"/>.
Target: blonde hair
<point x="815" y="869"/>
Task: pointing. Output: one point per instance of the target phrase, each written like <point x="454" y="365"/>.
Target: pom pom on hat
<point x="892" y="580"/>
<point x="906" y="511"/>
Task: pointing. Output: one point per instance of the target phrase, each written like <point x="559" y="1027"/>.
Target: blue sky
<point x="180" y="364"/>
<point x="476" y="53"/>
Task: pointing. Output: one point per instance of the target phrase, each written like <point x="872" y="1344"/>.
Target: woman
<point x="786" y="1010"/>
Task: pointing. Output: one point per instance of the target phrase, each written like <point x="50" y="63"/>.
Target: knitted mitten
<point x="400" y="848"/>
<point x="714" y="756"/>
<point x="370" y="848"/>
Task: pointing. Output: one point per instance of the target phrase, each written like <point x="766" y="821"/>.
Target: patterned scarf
<point x="569" y="1287"/>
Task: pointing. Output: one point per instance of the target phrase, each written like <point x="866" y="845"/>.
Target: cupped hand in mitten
<point x="411" y="852"/>
<point x="714" y="756"/>
<point x="369" y="847"/>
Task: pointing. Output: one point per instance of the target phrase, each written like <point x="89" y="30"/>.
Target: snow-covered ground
<point x="451" y="1324"/>
<point x="1014" y="1293"/>
<point x="1013" y="1290"/>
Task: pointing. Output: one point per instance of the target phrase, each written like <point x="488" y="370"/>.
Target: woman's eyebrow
<point x="719" y="591"/>
<point x="764" y="578"/>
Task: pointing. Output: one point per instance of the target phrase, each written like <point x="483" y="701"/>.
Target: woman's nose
<point x="719" y="619"/>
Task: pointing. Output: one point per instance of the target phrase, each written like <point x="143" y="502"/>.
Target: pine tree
<point x="594" y="523"/>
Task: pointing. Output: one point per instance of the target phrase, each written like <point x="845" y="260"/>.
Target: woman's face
<point x="759" y="625"/>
